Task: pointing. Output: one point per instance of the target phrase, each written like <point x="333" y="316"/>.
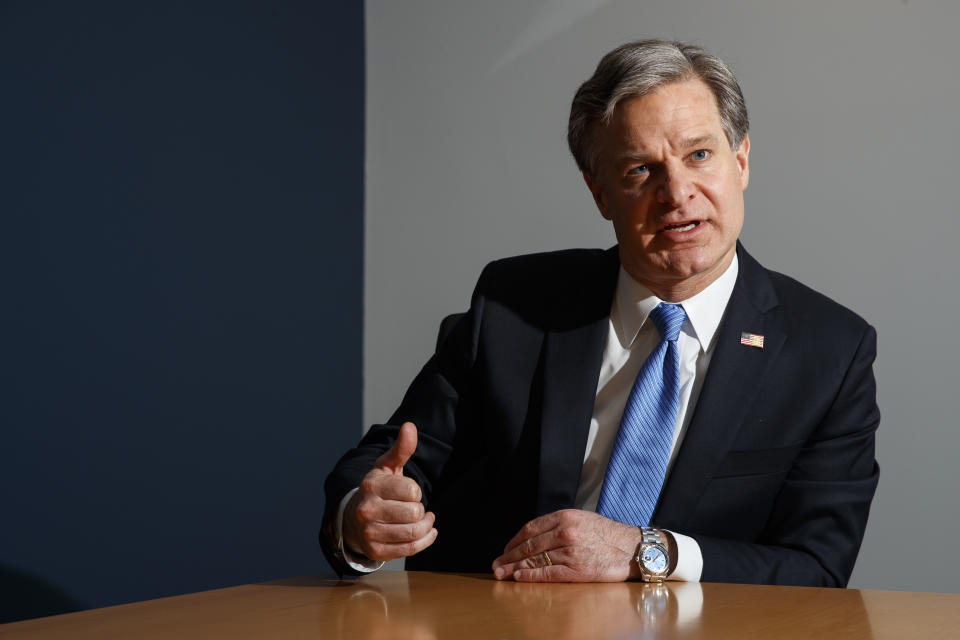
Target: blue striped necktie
<point x="642" y="448"/>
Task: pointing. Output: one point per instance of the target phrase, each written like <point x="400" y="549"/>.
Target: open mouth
<point x="681" y="227"/>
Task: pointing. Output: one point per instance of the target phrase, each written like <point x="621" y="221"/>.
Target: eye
<point x="638" y="170"/>
<point x="700" y="155"/>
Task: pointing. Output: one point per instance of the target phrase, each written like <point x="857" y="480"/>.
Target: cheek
<point x="631" y="208"/>
<point x="727" y="200"/>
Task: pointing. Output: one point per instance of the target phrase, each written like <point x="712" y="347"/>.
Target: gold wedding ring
<point x="546" y="557"/>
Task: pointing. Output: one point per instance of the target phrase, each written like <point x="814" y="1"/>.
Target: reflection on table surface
<point x="417" y="606"/>
<point x="421" y="605"/>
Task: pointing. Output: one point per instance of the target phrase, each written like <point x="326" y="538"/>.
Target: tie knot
<point x="668" y="318"/>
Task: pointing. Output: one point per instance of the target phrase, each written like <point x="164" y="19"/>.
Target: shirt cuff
<point x="689" y="559"/>
<point x="356" y="561"/>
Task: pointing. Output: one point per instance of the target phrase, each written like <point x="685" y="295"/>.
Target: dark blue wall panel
<point x="181" y="196"/>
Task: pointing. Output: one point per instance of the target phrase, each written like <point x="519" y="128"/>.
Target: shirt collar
<point x="633" y="303"/>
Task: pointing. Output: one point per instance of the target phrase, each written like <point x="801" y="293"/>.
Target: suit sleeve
<point x="817" y="523"/>
<point x="432" y="402"/>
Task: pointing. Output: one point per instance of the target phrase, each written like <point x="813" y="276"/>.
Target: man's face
<point x="673" y="188"/>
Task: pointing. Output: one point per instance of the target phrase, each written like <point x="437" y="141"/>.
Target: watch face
<point x="654" y="559"/>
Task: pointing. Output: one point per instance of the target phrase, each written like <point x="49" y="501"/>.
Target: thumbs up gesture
<point x="385" y="519"/>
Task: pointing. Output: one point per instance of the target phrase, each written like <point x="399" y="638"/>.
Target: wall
<point x="181" y="257"/>
<point x="854" y="135"/>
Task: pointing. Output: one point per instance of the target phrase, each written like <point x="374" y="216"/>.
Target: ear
<point x="597" y="190"/>
<point x="743" y="160"/>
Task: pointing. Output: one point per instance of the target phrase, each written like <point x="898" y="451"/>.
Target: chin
<point x="680" y="267"/>
<point x="697" y="261"/>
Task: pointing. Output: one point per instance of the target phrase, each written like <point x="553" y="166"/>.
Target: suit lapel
<point x="573" y="353"/>
<point x="730" y="385"/>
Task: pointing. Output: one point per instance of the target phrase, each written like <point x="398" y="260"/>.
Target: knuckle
<point x="401" y="533"/>
<point x="568" y="535"/>
<point x="366" y="511"/>
<point x="402" y="515"/>
<point x="422" y="528"/>
<point x="369" y="535"/>
<point x="413" y="490"/>
<point x="412" y="531"/>
<point x="368" y="485"/>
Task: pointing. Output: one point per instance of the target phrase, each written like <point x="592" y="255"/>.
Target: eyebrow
<point x="708" y="138"/>
<point x="630" y="158"/>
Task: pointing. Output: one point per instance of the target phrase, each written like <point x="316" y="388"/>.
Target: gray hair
<point x="638" y="68"/>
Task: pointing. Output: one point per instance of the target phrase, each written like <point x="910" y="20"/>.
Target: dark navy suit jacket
<point x="775" y="475"/>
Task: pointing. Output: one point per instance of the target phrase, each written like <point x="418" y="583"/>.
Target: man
<point x="665" y="409"/>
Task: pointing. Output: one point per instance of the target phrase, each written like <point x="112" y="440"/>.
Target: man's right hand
<point x="385" y="519"/>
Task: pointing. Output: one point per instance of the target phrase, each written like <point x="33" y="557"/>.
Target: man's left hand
<point x="582" y="547"/>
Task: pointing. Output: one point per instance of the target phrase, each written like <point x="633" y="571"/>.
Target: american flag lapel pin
<point x="751" y="339"/>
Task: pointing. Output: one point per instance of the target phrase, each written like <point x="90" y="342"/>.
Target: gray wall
<point x="181" y="262"/>
<point x="855" y="135"/>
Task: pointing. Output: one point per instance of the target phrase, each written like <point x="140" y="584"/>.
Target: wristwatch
<point x="653" y="556"/>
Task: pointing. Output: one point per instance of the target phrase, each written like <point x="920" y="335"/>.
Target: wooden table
<point x="434" y="605"/>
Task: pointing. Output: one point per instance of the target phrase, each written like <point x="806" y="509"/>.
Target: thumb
<point x="394" y="459"/>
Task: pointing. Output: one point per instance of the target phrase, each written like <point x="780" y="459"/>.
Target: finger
<point x="390" y="487"/>
<point x="555" y="573"/>
<point x="394" y="459"/>
<point x="533" y="528"/>
<point x="504" y="570"/>
<point x="383" y="552"/>
<point x="532" y="547"/>
<point x="399" y="533"/>
<point x="396" y="512"/>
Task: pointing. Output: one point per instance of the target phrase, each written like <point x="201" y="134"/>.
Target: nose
<point x="676" y="187"/>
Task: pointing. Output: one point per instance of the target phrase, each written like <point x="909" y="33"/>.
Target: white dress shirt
<point x="630" y="340"/>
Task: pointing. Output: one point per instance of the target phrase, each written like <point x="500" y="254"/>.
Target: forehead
<point x="672" y="113"/>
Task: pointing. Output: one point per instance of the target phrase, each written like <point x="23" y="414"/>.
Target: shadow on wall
<point x="25" y="596"/>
